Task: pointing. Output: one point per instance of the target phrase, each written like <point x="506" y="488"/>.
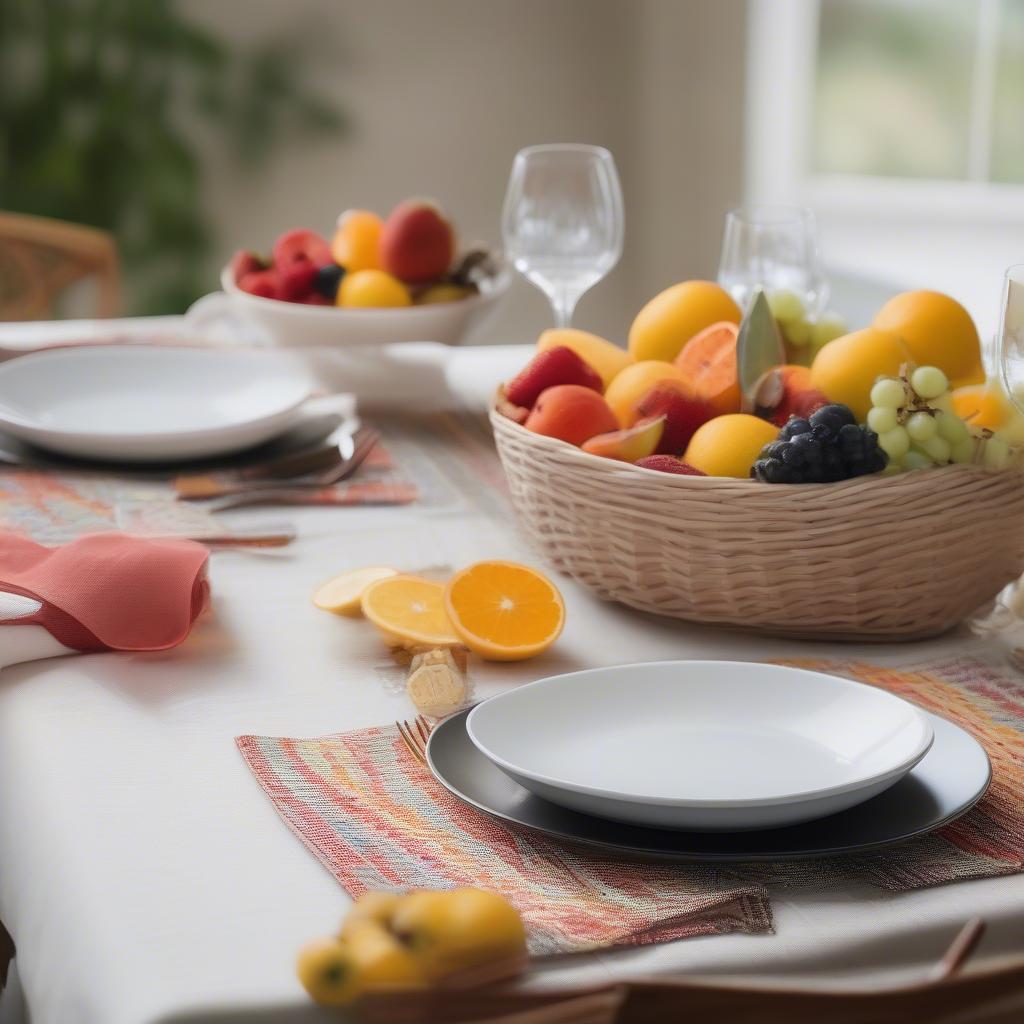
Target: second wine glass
<point x="562" y="222"/>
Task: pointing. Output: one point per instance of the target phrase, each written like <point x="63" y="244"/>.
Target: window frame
<point x="779" y="125"/>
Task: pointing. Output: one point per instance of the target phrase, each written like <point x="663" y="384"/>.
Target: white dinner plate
<point x="135" y="403"/>
<point x="713" y="745"/>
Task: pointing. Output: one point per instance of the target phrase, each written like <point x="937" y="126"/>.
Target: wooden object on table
<point x="872" y="558"/>
<point x="40" y="257"/>
<point x="437" y="681"/>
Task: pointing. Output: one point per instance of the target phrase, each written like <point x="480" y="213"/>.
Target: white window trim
<point x="783" y="34"/>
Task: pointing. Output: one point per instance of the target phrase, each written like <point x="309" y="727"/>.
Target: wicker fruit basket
<point x="873" y="558"/>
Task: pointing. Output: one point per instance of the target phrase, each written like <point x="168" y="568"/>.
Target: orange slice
<point x="504" y="611"/>
<point x="344" y="594"/>
<point x="409" y="611"/>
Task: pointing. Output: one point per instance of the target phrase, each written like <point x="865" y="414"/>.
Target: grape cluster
<point x="828" y="446"/>
<point x="803" y="336"/>
<point x="914" y="419"/>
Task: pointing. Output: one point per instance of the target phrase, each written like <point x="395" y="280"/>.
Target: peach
<point x="787" y="391"/>
<point x="629" y="386"/>
<point x="683" y="411"/>
<point x="630" y="444"/>
<point x="605" y="357"/>
<point x="416" y="244"/>
<point x="571" y="412"/>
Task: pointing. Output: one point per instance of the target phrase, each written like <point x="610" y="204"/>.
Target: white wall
<point x="441" y="94"/>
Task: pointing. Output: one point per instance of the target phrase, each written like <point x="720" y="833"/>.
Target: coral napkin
<point x="107" y="591"/>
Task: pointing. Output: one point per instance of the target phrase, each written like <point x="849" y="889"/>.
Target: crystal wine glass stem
<point x="563" y="304"/>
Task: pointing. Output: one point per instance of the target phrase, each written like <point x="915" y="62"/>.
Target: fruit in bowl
<point x="375" y="281"/>
<point x="902" y="394"/>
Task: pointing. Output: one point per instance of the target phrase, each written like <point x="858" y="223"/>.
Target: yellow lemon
<point x="846" y="369"/>
<point x="674" y="316"/>
<point x="372" y="289"/>
<point x="729" y="445"/>
<point x="343" y="595"/>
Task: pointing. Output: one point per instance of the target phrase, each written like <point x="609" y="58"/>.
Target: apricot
<point x="846" y="369"/>
<point x="729" y="445"/>
<point x="629" y="386"/>
<point x="356" y="242"/>
<point x="372" y="289"/>
<point x="571" y="412"/>
<point x="458" y="930"/>
<point x="937" y="331"/>
<point x="605" y="357"/>
<point x="416" y="243"/>
<point x="630" y="444"/>
<point x="708" y="362"/>
<point x="674" y="316"/>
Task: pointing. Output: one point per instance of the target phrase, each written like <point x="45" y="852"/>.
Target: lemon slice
<point x="343" y="595"/>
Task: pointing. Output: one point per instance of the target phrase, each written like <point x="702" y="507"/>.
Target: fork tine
<point x="411" y="741"/>
<point x="423" y="728"/>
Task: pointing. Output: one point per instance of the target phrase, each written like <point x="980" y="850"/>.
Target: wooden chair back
<point x="40" y="257"/>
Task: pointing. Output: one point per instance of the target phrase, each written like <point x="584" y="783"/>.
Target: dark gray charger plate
<point x="949" y="780"/>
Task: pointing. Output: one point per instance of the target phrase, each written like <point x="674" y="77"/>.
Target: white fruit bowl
<point x="295" y="325"/>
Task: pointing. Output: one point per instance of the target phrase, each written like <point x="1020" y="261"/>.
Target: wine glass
<point x="1010" y="343"/>
<point x="562" y="221"/>
<point x="774" y="248"/>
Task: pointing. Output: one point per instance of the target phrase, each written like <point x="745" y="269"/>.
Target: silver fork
<point x="416" y="734"/>
<point x="260" y="493"/>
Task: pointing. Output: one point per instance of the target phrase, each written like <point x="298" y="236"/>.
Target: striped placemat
<point x="376" y="819"/>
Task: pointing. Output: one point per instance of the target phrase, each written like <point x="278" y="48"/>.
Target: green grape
<point x="881" y="420"/>
<point x="938" y="448"/>
<point x="951" y="427"/>
<point x="889" y="393"/>
<point x="921" y="426"/>
<point x="892" y="468"/>
<point x="995" y="453"/>
<point x="929" y="382"/>
<point x="828" y="327"/>
<point x="917" y="460"/>
<point x="797" y="332"/>
<point x="895" y="443"/>
<point x="785" y="305"/>
<point x="944" y="403"/>
<point x="963" y="451"/>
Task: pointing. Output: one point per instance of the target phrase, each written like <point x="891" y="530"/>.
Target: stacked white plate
<point x="710" y="760"/>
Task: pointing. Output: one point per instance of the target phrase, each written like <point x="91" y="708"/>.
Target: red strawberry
<point x="265" y="283"/>
<point x="668" y="464"/>
<point x="683" y="413"/>
<point x="301" y="244"/>
<point x="297" y="279"/>
<point x="559" y="365"/>
<point x="244" y="262"/>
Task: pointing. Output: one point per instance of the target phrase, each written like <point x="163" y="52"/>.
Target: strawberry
<point x="297" y="279"/>
<point x="559" y="365"/>
<point x="668" y="464"/>
<point x="683" y="413"/>
<point x="301" y="244"/>
<point x="265" y="283"/>
<point x="244" y="262"/>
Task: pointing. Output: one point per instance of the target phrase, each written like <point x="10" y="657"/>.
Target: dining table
<point x="145" y="877"/>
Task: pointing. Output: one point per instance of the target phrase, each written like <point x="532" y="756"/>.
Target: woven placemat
<point x="376" y="818"/>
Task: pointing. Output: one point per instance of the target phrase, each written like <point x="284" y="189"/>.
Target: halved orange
<point x="343" y="595"/>
<point x="504" y="611"/>
<point x="409" y="611"/>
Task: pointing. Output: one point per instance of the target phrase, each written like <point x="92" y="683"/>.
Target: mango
<point x="937" y="331"/>
<point x="674" y="316"/>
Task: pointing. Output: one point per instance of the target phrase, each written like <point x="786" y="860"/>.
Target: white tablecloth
<point x="146" y="877"/>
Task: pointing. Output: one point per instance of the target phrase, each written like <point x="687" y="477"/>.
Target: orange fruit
<point x="504" y="611"/>
<point x="846" y="369"/>
<point x="674" y="316"/>
<point x="938" y="331"/>
<point x="356" y="242"/>
<point x="729" y="445"/>
<point x="372" y="289"/>
<point x="409" y="611"/>
<point x="343" y="595"/>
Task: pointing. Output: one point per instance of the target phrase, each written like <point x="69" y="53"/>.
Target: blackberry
<point x="327" y="279"/>
<point x="828" y="446"/>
